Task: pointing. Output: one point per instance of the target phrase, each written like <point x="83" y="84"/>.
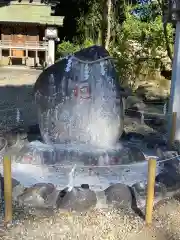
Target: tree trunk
<point x="104" y="23"/>
<point x="162" y="4"/>
<point x="108" y="33"/>
<point x="99" y="37"/>
<point x="169" y="52"/>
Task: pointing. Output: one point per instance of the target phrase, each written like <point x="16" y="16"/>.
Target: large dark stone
<point x="78" y="199"/>
<point x="90" y="76"/>
<point x="118" y="195"/>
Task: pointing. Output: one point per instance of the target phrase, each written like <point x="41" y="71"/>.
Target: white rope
<point x="71" y="178"/>
<point x="165" y="109"/>
<point x="91" y="62"/>
<point x="169" y="159"/>
<point x="142" y="117"/>
<point x="18" y="116"/>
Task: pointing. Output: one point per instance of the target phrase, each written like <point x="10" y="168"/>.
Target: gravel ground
<point x="102" y="224"/>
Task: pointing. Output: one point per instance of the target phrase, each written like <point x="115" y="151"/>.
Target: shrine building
<point x="28" y="32"/>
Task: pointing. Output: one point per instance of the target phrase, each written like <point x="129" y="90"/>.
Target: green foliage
<point x="148" y="33"/>
<point x="141" y="47"/>
<point x="65" y="48"/>
<point x="87" y="43"/>
<point x="89" y="24"/>
<point x="138" y="38"/>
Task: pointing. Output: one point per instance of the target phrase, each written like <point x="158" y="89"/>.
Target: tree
<point x="162" y="7"/>
<point x="132" y="32"/>
<point x="141" y="46"/>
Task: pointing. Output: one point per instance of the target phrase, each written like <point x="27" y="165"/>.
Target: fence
<point x="26" y="45"/>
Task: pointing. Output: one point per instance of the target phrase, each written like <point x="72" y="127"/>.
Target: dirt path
<point x="18" y="76"/>
<point x="148" y="234"/>
<point x="165" y="225"/>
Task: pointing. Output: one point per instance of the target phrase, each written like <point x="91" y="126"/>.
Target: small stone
<point x="157" y="121"/>
<point x="16" y="186"/>
<point x="172" y="165"/>
<point x="136" y="155"/>
<point x="85" y="186"/>
<point x="171" y="181"/>
<point x="176" y="146"/>
<point x="15" y="136"/>
<point x="133" y="102"/>
<point x="38" y="195"/>
<point x="154" y="141"/>
<point x="140" y="190"/>
<point x="17" y="190"/>
<point x="2" y="232"/>
<point x="118" y="195"/>
<point x="159" y="152"/>
<point x="78" y="199"/>
<point x="134" y="136"/>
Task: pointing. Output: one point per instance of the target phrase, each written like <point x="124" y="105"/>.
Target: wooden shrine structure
<point x="22" y="31"/>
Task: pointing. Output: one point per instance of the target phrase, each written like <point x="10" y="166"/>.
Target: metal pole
<point x="172" y="130"/>
<point x="175" y="86"/>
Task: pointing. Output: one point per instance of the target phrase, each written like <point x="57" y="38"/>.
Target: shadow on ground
<point x="17" y="107"/>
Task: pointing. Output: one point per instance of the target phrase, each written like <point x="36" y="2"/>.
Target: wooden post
<point x="7" y="188"/>
<point x="150" y="190"/>
<point x="46" y="58"/>
<point x="172" y="130"/>
<point x="26" y="56"/>
<point x="0" y="53"/>
<point x="36" y="58"/>
<point x="10" y="56"/>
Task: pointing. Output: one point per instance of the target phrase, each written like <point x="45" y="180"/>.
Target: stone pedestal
<point x="51" y="51"/>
